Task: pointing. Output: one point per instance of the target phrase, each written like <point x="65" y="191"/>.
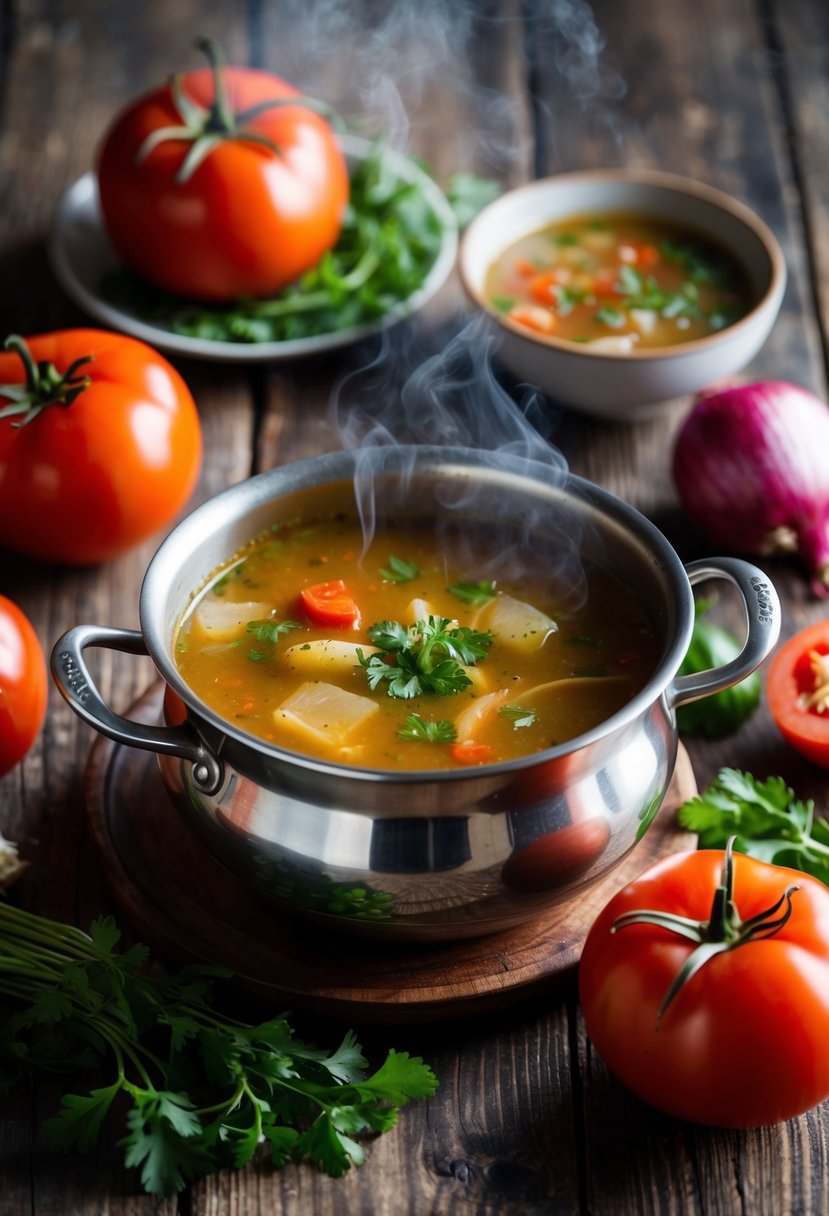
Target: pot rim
<point x="244" y="496"/>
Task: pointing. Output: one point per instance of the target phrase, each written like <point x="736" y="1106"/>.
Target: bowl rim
<point x="687" y="186"/>
<point x="339" y="466"/>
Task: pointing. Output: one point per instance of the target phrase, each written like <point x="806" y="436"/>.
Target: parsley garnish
<point x="426" y="657"/>
<point x="203" y="1090"/>
<point x="416" y="728"/>
<point x="268" y="631"/>
<point x="519" y="716"/>
<point x="472" y="592"/>
<point x="613" y="317"/>
<point x="399" y="570"/>
<point x="766" y="818"/>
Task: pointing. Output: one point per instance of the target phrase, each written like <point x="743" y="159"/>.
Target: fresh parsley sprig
<point x="417" y="729"/>
<point x="268" y="632"/>
<point x="769" y="822"/>
<point x="204" y="1090"/>
<point x="518" y="715"/>
<point x="428" y="656"/>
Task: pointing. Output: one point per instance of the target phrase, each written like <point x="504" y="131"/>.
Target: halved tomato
<point x="797" y="689"/>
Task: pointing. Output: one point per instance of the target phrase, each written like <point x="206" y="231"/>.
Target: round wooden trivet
<point x="187" y="906"/>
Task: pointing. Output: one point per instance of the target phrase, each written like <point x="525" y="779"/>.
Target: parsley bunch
<point x="766" y="818"/>
<point x="428" y="656"/>
<point x="203" y="1090"/>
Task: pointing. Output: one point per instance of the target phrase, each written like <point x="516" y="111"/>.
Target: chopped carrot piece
<point x="471" y="752"/>
<point x="525" y="269"/>
<point x="543" y="286"/>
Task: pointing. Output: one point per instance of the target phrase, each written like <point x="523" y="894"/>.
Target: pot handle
<point x="763" y="617"/>
<point x="77" y="687"/>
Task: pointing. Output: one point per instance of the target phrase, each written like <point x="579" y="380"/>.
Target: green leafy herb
<point x="268" y="631"/>
<point x="417" y="729"/>
<point x="400" y="570"/>
<point x="203" y="1089"/>
<point x="389" y="242"/>
<point x="613" y="317"/>
<point x="645" y="293"/>
<point x="519" y="716"/>
<point x="502" y="303"/>
<point x="474" y="592"/>
<point x="768" y="821"/>
<point x="567" y="298"/>
<point x="723" y="712"/>
<point x="426" y="657"/>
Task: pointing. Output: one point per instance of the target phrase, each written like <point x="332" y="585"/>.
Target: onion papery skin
<point x="751" y="467"/>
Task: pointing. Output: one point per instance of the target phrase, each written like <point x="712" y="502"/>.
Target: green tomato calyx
<point x="44" y="385"/>
<point x="205" y="127"/>
<point x="724" y="930"/>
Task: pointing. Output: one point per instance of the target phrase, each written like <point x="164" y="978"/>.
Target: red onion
<point x="751" y="466"/>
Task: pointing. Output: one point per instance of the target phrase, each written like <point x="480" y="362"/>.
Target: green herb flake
<point x="518" y="715"/>
<point x="416" y="729"/>
<point x="399" y="570"/>
<point x="502" y="303"/>
<point x="474" y="592"/>
<point x="613" y="317"/>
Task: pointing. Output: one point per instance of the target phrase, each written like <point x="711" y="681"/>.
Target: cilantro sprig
<point x="766" y="818"/>
<point x="428" y="656"/>
<point x="518" y="715"/>
<point x="203" y="1090"/>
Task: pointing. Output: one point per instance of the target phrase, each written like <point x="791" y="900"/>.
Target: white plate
<point x="81" y="255"/>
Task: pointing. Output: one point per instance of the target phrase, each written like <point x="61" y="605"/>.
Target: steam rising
<point x="403" y="401"/>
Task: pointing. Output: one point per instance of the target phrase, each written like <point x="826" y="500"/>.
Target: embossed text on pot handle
<point x="76" y="685"/>
<point x="763" y="617"/>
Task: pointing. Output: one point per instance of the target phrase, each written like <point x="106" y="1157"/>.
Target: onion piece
<point x="751" y="466"/>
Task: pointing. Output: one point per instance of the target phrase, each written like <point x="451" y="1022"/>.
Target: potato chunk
<point x="323" y="657"/>
<point x="515" y="624"/>
<point x="215" y="621"/>
<point x="324" y="714"/>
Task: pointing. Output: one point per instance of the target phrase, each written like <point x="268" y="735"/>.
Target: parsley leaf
<point x="203" y="1091"/>
<point x="519" y="716"/>
<point x="417" y="728"/>
<point x="399" y="570"/>
<point x="769" y="822"/>
<point x="428" y="656"/>
<point x="268" y="632"/>
<point x="474" y="592"/>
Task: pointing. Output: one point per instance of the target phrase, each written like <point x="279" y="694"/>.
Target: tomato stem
<point x="44" y="385"/>
<point x="724" y="930"/>
<point x="205" y="128"/>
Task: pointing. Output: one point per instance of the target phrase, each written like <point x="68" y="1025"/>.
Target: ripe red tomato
<point x="110" y="450"/>
<point x="330" y="603"/>
<point x="23" y="685"/>
<point x="257" y="210"/>
<point x="742" y="1043"/>
<point x="797" y="689"/>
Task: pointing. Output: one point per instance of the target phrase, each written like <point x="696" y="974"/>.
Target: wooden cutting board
<point x="188" y="907"/>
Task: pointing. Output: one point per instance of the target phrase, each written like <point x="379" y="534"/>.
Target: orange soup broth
<point x="604" y="652"/>
<point x="592" y="278"/>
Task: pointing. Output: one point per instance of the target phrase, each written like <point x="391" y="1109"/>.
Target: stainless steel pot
<point x="425" y="855"/>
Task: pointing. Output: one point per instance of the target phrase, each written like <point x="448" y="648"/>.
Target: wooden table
<point x="732" y="92"/>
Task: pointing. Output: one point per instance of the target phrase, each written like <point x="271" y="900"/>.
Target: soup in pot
<point x="399" y="658"/>
<point x="619" y="283"/>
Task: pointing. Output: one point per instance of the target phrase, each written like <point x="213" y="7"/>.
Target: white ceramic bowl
<point x="633" y="386"/>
